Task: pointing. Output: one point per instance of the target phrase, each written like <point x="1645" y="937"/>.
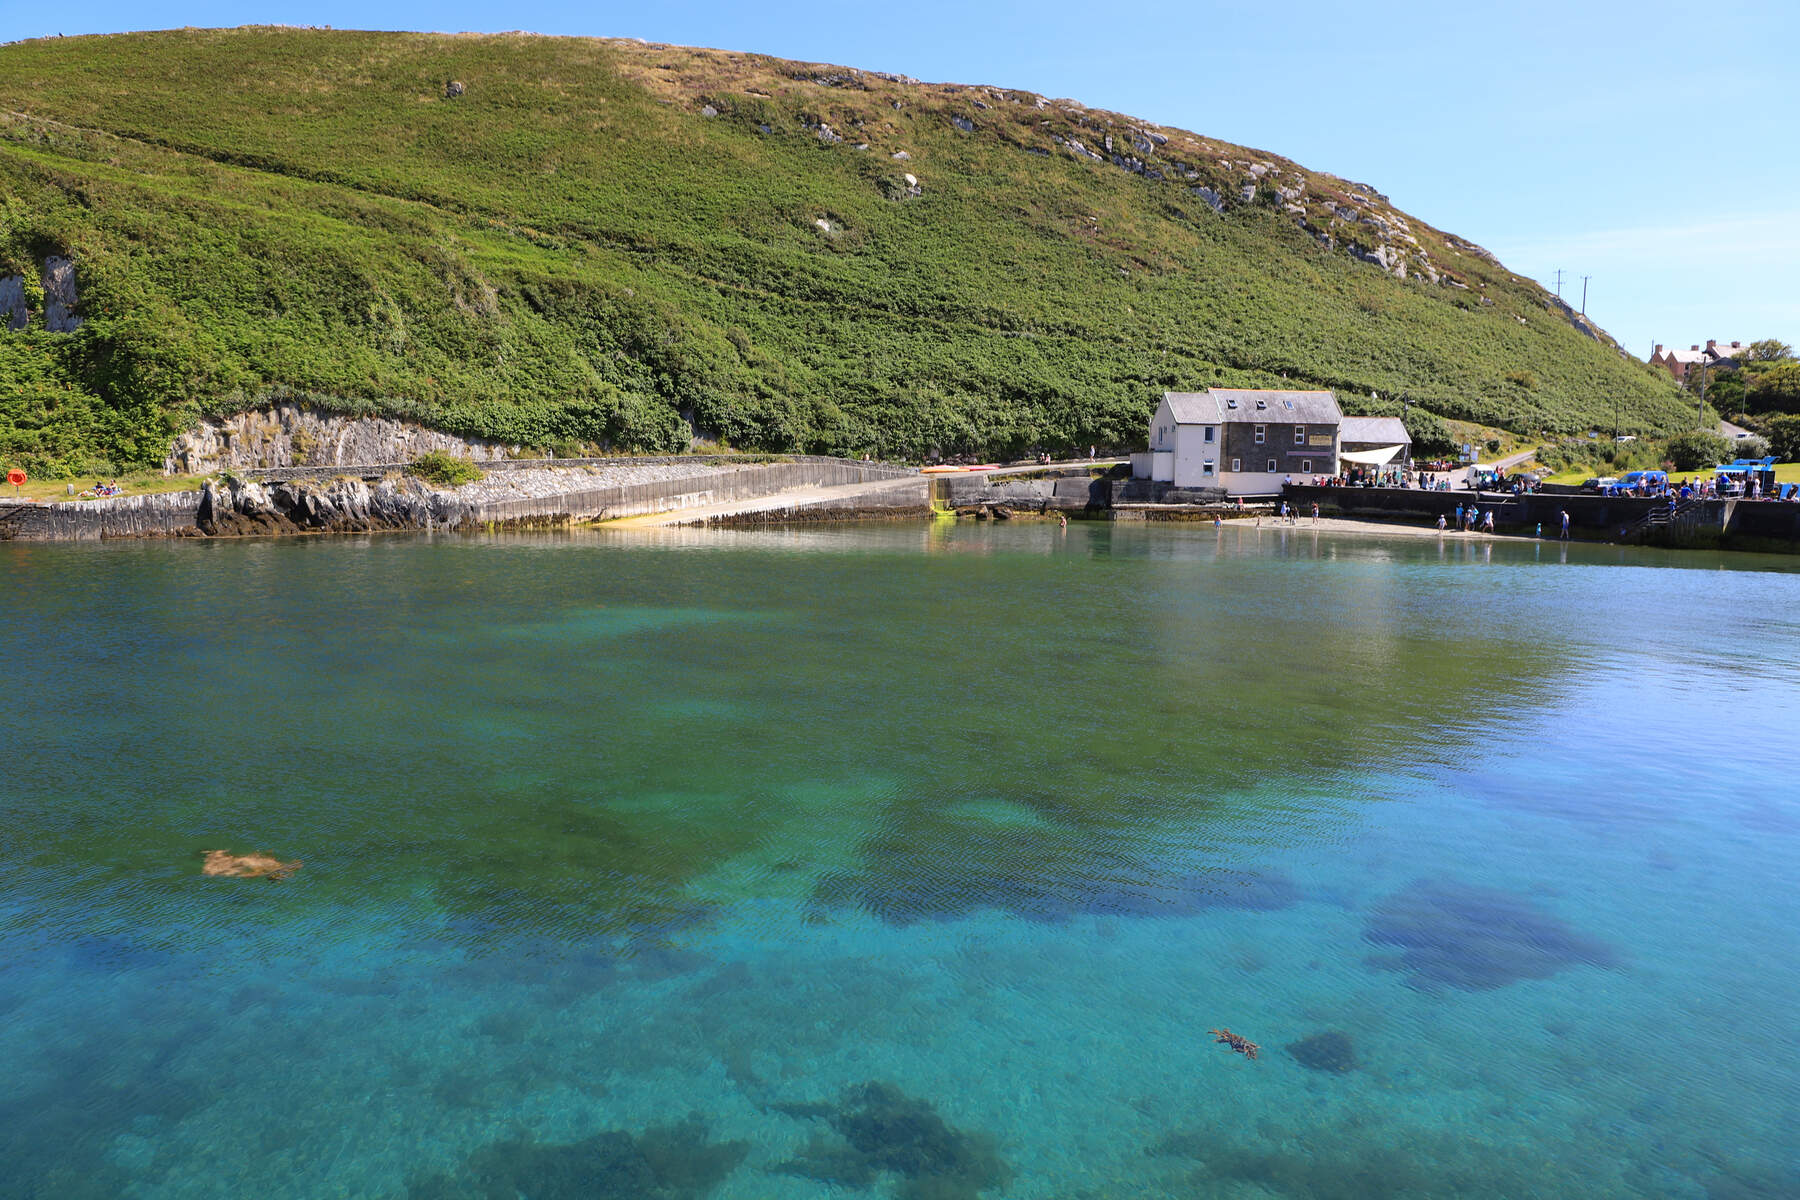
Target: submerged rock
<point x="669" y="1162"/>
<point x="1452" y="934"/>
<point x="247" y="866"/>
<point x="881" y="1130"/>
<point x="1328" y="1051"/>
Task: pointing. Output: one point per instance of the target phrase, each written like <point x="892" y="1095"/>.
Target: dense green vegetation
<point x="572" y="251"/>
<point x="445" y="469"/>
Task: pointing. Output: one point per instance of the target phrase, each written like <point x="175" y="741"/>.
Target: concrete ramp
<point x="876" y="498"/>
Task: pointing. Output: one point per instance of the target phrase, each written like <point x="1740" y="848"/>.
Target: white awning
<point x="1379" y="456"/>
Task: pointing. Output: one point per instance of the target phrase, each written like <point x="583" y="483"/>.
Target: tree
<point x="1768" y="350"/>
<point x="1784" y="437"/>
<point x="1697" y="450"/>
<point x="1775" y="390"/>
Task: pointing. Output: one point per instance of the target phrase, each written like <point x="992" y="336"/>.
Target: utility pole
<point x="1700" y="413"/>
<point x="1559" y="283"/>
<point x="1584" y="281"/>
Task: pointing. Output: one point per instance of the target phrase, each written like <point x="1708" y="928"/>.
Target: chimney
<point x="1693" y="347"/>
<point x="1658" y="350"/>
<point x="1711" y="342"/>
<point x="1737" y="345"/>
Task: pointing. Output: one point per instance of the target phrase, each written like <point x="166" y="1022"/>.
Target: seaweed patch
<point x="665" y="1162"/>
<point x="1458" y="935"/>
<point x="879" y="1130"/>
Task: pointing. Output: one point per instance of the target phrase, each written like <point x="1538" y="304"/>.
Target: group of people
<point x="1289" y="515"/>
<point x="102" y="488"/>
<point x="1749" y="488"/>
<point x="1468" y="520"/>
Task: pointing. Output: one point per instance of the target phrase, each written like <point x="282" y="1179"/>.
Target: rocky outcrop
<point x="293" y="435"/>
<point x="59" y="295"/>
<point x="14" y="314"/>
<point x="59" y="298"/>
<point x="238" y="507"/>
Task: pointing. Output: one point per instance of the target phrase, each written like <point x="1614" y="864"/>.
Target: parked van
<point x="1648" y="481"/>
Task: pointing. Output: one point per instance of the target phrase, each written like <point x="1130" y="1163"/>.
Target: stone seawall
<point x="348" y="501"/>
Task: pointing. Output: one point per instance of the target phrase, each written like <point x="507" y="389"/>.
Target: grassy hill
<point x="627" y="245"/>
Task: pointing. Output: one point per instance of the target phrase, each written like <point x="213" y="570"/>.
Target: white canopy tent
<point x="1381" y="456"/>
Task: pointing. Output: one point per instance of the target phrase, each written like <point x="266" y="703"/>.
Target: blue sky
<point x="1652" y="146"/>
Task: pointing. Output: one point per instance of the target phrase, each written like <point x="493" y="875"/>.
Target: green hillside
<point x="627" y="245"/>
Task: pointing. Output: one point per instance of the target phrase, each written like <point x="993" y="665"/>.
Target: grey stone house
<point x="1247" y="441"/>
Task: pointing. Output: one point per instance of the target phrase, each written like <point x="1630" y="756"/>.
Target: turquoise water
<point x="899" y="862"/>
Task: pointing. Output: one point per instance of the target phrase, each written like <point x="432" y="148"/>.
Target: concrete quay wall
<point x="1073" y="492"/>
<point x="163" y="514"/>
<point x="1585" y="512"/>
<point x="1726" y="524"/>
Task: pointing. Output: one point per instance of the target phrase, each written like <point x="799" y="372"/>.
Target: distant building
<point x="1376" y="442"/>
<point x="1244" y="441"/>
<point x="1713" y="356"/>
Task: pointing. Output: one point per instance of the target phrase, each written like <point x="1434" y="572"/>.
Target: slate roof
<point x="1193" y="408"/>
<point x="1373" y="431"/>
<point x="1215" y="406"/>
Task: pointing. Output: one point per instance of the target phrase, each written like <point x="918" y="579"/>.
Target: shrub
<point x="444" y="469"/>
<point x="1697" y="450"/>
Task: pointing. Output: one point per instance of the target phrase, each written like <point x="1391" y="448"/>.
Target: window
<point x="1271" y="466"/>
<point x="1237" y="464"/>
<point x="1209" y="433"/>
<point x="1299" y="435"/>
<point x="1231" y="404"/>
<point x="1306" y="466"/>
<point x="1206" y="468"/>
<point x="1262" y="404"/>
<point x="1259" y="434"/>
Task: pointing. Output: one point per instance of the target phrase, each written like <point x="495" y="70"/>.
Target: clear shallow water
<point x="899" y="862"/>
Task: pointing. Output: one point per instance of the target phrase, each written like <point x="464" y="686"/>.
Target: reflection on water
<point x="908" y="859"/>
